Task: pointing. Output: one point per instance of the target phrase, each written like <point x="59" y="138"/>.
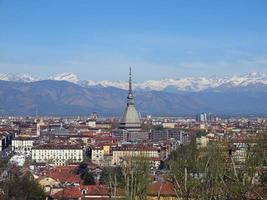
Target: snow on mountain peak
<point x="18" y="78"/>
<point x="179" y="84"/>
<point x="66" y="77"/>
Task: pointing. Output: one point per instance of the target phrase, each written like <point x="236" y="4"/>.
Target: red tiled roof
<point x="58" y="146"/>
<point x="162" y="188"/>
<point x="135" y="148"/>
<point x="69" y="193"/>
<point x="92" y="192"/>
<point x="64" y="174"/>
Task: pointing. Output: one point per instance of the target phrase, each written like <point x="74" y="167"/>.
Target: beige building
<point x="202" y="141"/>
<point x="121" y="153"/>
<point x="168" y="124"/>
<point x="97" y="154"/>
<point x="57" y="154"/>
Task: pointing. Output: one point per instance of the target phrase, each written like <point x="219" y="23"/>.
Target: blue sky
<point x="160" y="39"/>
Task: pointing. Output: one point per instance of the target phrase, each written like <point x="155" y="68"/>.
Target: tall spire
<point x="130" y="98"/>
<point x="130" y="80"/>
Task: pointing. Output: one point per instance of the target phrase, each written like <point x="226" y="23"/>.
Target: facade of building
<point x="97" y="154"/>
<point x="119" y="154"/>
<point x="205" y="117"/>
<point x="137" y="135"/>
<point x="57" y="154"/>
<point x="5" y="142"/>
<point x="168" y="124"/>
<point x="22" y="144"/>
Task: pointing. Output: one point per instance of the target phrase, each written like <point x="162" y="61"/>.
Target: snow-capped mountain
<point x="248" y="79"/>
<point x="180" y="84"/>
<point x="18" y="78"/>
<point x="189" y="83"/>
<point x="66" y="77"/>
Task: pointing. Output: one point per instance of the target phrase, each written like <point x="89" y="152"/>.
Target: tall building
<point x="204" y="117"/>
<point x="130" y="120"/>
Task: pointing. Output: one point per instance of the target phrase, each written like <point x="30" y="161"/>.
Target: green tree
<point x="88" y="179"/>
<point x="112" y="177"/>
<point x="184" y="167"/>
<point x="211" y="173"/>
<point x="22" y="187"/>
<point x="82" y="169"/>
<point x="136" y="177"/>
<point x="214" y="170"/>
<point x="3" y="164"/>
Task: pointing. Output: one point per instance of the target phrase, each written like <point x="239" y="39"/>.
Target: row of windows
<point x="68" y="157"/>
<point x="120" y="153"/>
<point x="47" y="153"/>
<point x="62" y="153"/>
<point x="58" y="162"/>
<point x="41" y="150"/>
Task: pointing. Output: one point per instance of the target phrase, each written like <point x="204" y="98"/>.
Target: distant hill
<point x="52" y="97"/>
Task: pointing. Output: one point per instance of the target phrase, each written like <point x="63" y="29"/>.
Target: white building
<point x="91" y="123"/>
<point x="22" y="144"/>
<point x="57" y="154"/>
<point x="168" y="124"/>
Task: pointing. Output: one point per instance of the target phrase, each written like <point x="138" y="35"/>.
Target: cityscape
<point x="145" y="118"/>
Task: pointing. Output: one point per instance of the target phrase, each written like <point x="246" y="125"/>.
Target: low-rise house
<point x="57" y="177"/>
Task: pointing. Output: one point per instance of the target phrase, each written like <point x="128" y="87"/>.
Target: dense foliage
<point x="88" y="179"/>
<point x="212" y="172"/>
<point x="85" y="174"/>
<point x="132" y="177"/>
<point x="22" y="187"/>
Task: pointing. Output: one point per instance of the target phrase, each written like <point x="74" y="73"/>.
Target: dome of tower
<point x="130" y="117"/>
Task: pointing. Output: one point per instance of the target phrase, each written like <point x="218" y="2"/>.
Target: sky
<point x="100" y="39"/>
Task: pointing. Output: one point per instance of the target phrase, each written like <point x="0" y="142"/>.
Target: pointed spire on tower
<point x="130" y="80"/>
<point x="130" y="92"/>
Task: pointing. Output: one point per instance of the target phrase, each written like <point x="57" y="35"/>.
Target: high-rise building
<point x="204" y="117"/>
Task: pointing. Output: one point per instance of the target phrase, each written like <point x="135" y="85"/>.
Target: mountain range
<point x="66" y="94"/>
<point x="193" y="84"/>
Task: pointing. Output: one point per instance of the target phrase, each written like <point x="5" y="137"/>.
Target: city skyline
<point x="159" y="40"/>
<point x="133" y="99"/>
